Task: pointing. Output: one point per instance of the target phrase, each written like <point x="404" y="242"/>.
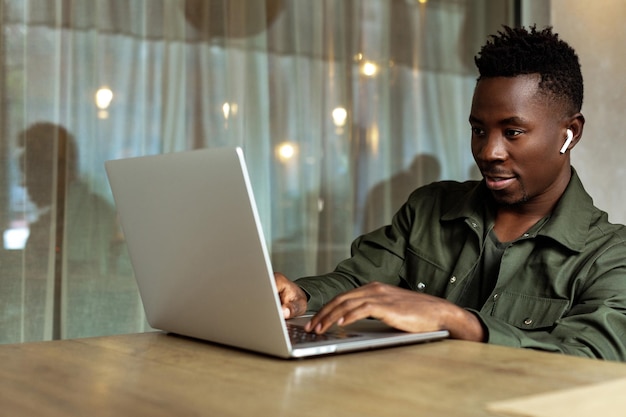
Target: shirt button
<point x="474" y="225"/>
<point x="421" y="286"/>
<point x="528" y="321"/>
<point x="526" y="235"/>
<point x="452" y="280"/>
<point x="495" y="297"/>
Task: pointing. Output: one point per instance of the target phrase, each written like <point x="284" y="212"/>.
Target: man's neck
<point x="512" y="221"/>
<point x="510" y="225"/>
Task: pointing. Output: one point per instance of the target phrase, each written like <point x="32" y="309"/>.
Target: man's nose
<point x="493" y="148"/>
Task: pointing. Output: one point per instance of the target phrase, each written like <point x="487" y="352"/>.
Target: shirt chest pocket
<point x="528" y="312"/>
<point x="424" y="275"/>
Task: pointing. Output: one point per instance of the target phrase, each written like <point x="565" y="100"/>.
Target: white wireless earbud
<point x="570" y="136"/>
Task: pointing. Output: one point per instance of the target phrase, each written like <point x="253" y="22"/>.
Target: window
<point x="342" y="107"/>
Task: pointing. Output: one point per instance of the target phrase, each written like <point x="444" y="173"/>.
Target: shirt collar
<point x="571" y="218"/>
<point x="569" y="223"/>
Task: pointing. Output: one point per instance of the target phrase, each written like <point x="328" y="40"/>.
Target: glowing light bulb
<point x="104" y="96"/>
<point x="369" y="69"/>
<point x="339" y="115"/>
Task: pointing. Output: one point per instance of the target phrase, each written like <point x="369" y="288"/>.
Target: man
<point x="521" y="258"/>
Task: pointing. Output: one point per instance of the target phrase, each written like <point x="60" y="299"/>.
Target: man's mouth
<point x="498" y="181"/>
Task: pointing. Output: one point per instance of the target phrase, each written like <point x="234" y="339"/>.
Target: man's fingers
<point x="342" y="312"/>
<point x="292" y="299"/>
<point x="293" y="309"/>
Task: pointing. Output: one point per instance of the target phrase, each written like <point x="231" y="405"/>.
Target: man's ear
<point x="576" y="125"/>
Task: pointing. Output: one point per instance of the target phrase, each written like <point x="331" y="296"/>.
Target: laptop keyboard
<point x="297" y="334"/>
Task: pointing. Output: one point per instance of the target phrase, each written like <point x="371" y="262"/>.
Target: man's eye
<point x="511" y="133"/>
<point x="477" y="131"/>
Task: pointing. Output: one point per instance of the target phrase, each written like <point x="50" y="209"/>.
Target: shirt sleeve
<point x="595" y="324"/>
<point x="375" y="256"/>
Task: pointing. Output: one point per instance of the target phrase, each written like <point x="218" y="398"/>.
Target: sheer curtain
<point x="342" y="108"/>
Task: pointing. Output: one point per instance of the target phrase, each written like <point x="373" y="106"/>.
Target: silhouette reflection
<point x="73" y="279"/>
<point x="386" y="197"/>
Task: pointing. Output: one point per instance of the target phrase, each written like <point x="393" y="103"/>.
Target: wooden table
<point x="155" y="374"/>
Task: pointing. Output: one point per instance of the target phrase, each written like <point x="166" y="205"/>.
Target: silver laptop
<point x="201" y="261"/>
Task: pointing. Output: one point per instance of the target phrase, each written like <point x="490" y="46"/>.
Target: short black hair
<point x="519" y="51"/>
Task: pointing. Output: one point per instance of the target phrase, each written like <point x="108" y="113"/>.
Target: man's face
<point x="516" y="137"/>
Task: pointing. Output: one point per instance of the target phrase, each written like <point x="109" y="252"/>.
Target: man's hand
<point x="292" y="297"/>
<point x="400" y="308"/>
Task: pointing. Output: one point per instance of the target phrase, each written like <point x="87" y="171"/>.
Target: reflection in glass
<point x="190" y="74"/>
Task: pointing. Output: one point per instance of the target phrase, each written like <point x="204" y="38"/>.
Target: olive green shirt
<point x="560" y="287"/>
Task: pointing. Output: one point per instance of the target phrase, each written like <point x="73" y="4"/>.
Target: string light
<point x="339" y="115"/>
<point x="103" y="98"/>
